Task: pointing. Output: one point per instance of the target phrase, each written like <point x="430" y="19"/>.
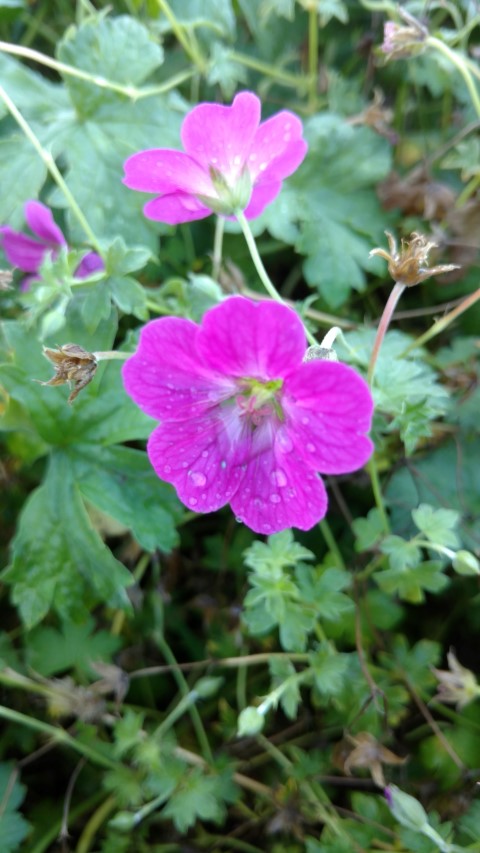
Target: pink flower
<point x="231" y="162"/>
<point x="243" y="420"/>
<point x="28" y="253"/>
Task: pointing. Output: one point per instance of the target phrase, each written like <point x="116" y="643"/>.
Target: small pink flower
<point x="243" y="419"/>
<point x="231" y="162"/>
<point x="28" y="253"/>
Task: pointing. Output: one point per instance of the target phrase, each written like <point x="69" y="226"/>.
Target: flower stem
<point x="461" y="65"/>
<point x="293" y="81"/>
<point x="110" y="355"/>
<point x="97" y="80"/>
<point x="262" y="273"/>
<point x="312" y="56"/>
<point x="377" y="492"/>
<point x="383" y="326"/>
<point x="189" y="45"/>
<point x="445" y="321"/>
<point x="331" y="543"/>
<point x="217" y="247"/>
<point x="91" y="828"/>
<point x="51" y="166"/>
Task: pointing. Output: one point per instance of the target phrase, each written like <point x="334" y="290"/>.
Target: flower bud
<point x="406" y="809"/>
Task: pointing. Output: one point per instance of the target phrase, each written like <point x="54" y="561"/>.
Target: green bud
<point x="124" y="821"/>
<point x="208" y="686"/>
<point x="466" y="563"/>
<point x="250" y="722"/>
<point x="406" y="809"/>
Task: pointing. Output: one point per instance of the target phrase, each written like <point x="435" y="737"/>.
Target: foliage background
<point x="169" y="682"/>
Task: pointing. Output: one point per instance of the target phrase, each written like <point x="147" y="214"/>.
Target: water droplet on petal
<point x="305" y="420"/>
<point x="192" y="501"/>
<point x="223" y="464"/>
<point x="198" y="478"/>
<point x="275" y="499"/>
<point x="184" y="464"/>
<point x="311" y="447"/>
<point x="284" y="442"/>
<point x="167" y="469"/>
<point x="205" y="454"/>
<point x="278" y="478"/>
<point x="237" y="518"/>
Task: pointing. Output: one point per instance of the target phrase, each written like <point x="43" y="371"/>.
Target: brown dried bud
<point x="401" y="41"/>
<point x="73" y="365"/>
<point x="369" y="753"/>
<point x="409" y="265"/>
<point x="456" y="685"/>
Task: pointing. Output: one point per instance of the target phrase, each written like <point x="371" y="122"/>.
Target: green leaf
<point x="129" y="296"/>
<point x="207" y="18"/>
<point x="414" y="663"/>
<point x="281" y="671"/>
<point x="58" y="559"/>
<point x="329" y="669"/>
<point x="368" y="531"/>
<point x="437" y="524"/>
<point x="279" y="552"/>
<point x="321" y="589"/>
<point x="50" y="651"/>
<point x="402" y="554"/>
<point x="23" y="175"/>
<point x="411" y="583"/>
<point x="13" y="826"/>
<point x="119" y="49"/>
<point x="121" y="482"/>
<point x="199" y="797"/>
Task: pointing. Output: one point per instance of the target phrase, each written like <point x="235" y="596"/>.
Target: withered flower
<point x="73" y="365"/>
<point x="5" y="279"/>
<point x="456" y="685"/>
<point x="409" y="264"/>
<point x="370" y="754"/>
<point x="401" y="41"/>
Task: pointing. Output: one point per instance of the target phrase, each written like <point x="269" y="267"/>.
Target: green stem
<point x="331" y="543"/>
<point x="262" y="273"/>
<point x="217" y="247"/>
<point x="49" y="162"/>
<point x="443" y="323"/>
<point x="58" y="735"/>
<point x="461" y="65"/>
<point x="97" y="80"/>
<point x="185" y="704"/>
<point x="97" y="819"/>
<point x="293" y="81"/>
<point x="383" y="326"/>
<point x="312" y="56"/>
<point x="111" y="355"/>
<point x="52" y="832"/>
<point x="377" y="493"/>
<point x="468" y="191"/>
<point x="185" y="691"/>
<point x="190" y="47"/>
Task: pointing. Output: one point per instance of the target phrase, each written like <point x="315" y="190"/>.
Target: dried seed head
<point x="409" y="264"/>
<point x="401" y="41"/>
<point x="73" y="365"/>
<point x="457" y="685"/>
<point x="5" y="279"/>
<point x="369" y="753"/>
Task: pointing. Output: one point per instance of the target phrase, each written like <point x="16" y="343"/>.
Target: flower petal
<point x="176" y="208"/>
<point x="221" y="136"/>
<point x="22" y="251"/>
<point x="278" y="148"/>
<point x="260" y="340"/>
<point x="329" y="408"/>
<point x="203" y="457"/>
<point x="165" y="170"/>
<point x="165" y="376"/>
<point x="262" y="194"/>
<point x="40" y="220"/>
<point x="277" y="490"/>
<point x="90" y="264"/>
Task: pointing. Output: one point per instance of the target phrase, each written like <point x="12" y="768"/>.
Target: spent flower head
<point x="243" y="420"/>
<point x="457" y="685"/>
<point x="72" y="364"/>
<point x="409" y="264"/>
<point x="400" y="41"/>
<point x="28" y="253"/>
<point x="231" y="162"/>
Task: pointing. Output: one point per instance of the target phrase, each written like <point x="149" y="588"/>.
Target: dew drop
<point x="311" y="447"/>
<point x="192" y="501"/>
<point x="258" y="503"/>
<point x="278" y="478"/>
<point x="291" y="493"/>
<point x="184" y="464"/>
<point x="237" y="518"/>
<point x="167" y="469"/>
<point x="275" y="499"/>
<point x="223" y="464"/>
<point x="205" y="454"/>
<point x="198" y="478"/>
<point x="263" y="166"/>
<point x="305" y="420"/>
<point x="285" y="443"/>
<point x="267" y="528"/>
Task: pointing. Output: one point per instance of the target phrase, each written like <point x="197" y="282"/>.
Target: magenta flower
<point x="231" y="162"/>
<point x="243" y="420"/>
<point x="28" y="253"/>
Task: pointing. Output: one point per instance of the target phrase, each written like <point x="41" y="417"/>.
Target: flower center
<point x="259" y="400"/>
